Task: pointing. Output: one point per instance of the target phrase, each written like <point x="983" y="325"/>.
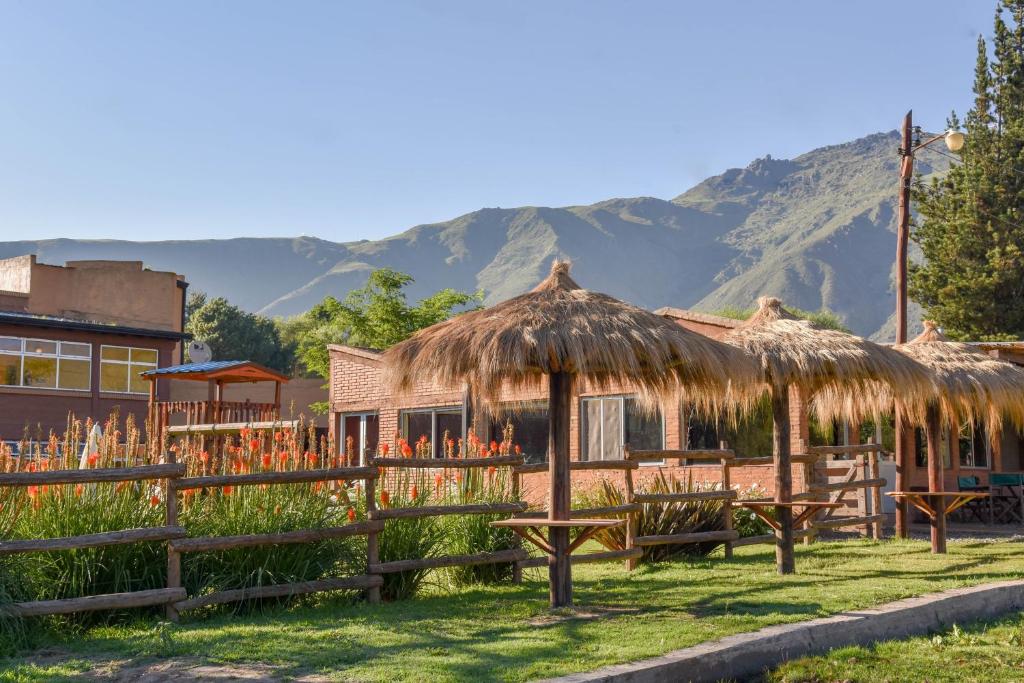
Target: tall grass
<point x="660" y="518"/>
<point x="407" y="538"/>
<point x="470" y="534"/>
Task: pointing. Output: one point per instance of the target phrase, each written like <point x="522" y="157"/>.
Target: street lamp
<point x="911" y="143"/>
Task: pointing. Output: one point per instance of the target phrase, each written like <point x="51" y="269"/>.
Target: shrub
<point x="470" y="534"/>
<point x="407" y="538"/>
<point x="744" y="521"/>
<point x="660" y="518"/>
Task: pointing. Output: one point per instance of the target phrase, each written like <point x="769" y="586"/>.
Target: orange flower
<point x="32" y="491"/>
<point x="92" y="459"/>
<point x="494" y="446"/>
<point x="384" y="448"/>
<point x="385" y="498"/>
<point x="458" y="477"/>
<point x="226" y="490"/>
<point x="406" y="450"/>
<point x="267" y="461"/>
<point x="438" y="479"/>
<point x="44" y="465"/>
<point x="483" y="451"/>
<point x="78" y="490"/>
<point x="278" y="437"/>
<point x="283" y="457"/>
<point x="154" y="500"/>
<point x="351" y="514"/>
<point x="31" y="467"/>
<point x="415" y="492"/>
<point x="204" y="457"/>
<point x="311" y="457"/>
<point x="317" y="485"/>
<point x="491" y="470"/>
<point x="254" y="444"/>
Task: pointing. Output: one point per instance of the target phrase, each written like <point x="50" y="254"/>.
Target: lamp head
<point x="954" y="140"/>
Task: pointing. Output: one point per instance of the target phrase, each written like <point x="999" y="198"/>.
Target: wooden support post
<point x="372" y="543"/>
<point x="277" y="400"/>
<point x="876" y="491"/>
<point x="560" y="502"/>
<point x="727" y="503"/>
<point x="632" y="517"/>
<point x="517" y="494"/>
<point x="783" y="480"/>
<point x="171" y="520"/>
<point x="810" y="472"/>
<point x="933" y="430"/>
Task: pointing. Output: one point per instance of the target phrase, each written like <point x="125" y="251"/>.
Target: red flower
<point x="78" y="490"/>
<point x="351" y="514"/>
<point x="385" y="498"/>
<point x="415" y="492"/>
<point x="311" y="457"/>
<point x="226" y="490"/>
<point x="92" y="459"/>
<point x="268" y="462"/>
<point x="494" y="446"/>
<point x="406" y="450"/>
<point x="491" y="470"/>
<point x="423" y="438"/>
<point x="384" y="448"/>
<point x="437" y="482"/>
<point x="278" y="437"/>
<point x="483" y="451"/>
<point x="31" y="467"/>
<point x="32" y="491"/>
<point x="154" y="500"/>
<point x="205" y="457"/>
<point x="254" y="444"/>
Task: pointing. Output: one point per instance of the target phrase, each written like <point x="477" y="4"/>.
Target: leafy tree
<point x="825" y="318"/>
<point x="375" y="316"/>
<point x="234" y="334"/>
<point x="971" y="224"/>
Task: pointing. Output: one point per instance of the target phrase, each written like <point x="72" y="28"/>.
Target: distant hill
<point x="817" y="231"/>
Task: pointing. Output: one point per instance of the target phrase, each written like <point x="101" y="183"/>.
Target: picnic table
<point x="759" y="508"/>
<point x="530" y="529"/>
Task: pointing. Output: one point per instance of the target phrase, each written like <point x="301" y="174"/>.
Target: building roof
<point x="698" y="317"/>
<point x="229" y="371"/>
<point x="360" y="351"/>
<point x="56" y="322"/>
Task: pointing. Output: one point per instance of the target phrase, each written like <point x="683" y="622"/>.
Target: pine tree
<point x="971" y="221"/>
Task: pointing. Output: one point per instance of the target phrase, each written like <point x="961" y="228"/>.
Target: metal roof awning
<point x="54" y="322"/>
<point x="224" y="371"/>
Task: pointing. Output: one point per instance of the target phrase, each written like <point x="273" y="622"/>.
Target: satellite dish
<point x="199" y="352"/>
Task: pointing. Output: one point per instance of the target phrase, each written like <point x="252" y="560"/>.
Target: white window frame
<point x="622" y="427"/>
<point x="433" y="411"/>
<point x="25" y="353"/>
<point x="360" y="438"/>
<point x="129" y="363"/>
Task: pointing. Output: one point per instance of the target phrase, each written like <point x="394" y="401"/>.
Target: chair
<point x="974" y="509"/>
<point x="1009" y="501"/>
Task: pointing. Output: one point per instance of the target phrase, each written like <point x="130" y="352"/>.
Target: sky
<point x="357" y="120"/>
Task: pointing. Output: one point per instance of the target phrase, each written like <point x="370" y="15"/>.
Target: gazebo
<point x="970" y="386"/>
<point x="215" y="409"/>
<point x="850" y="370"/>
<point x="564" y="334"/>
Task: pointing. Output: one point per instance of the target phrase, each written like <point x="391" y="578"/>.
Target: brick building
<point x="74" y="338"/>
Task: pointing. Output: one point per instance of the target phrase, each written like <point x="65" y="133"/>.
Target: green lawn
<point x="992" y="651"/>
<point x="507" y="633"/>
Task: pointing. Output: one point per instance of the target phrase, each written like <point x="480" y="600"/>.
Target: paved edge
<point x="750" y="654"/>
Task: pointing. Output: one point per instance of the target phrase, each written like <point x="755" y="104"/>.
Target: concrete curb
<point x="749" y="654"/>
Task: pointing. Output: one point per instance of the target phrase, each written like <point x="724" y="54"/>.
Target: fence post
<point x="517" y="485"/>
<point x="171" y="519"/>
<point x="876" y="491"/>
<point x="372" y="547"/>
<point x="809" y="470"/>
<point x="727" y="503"/>
<point x="631" y="517"/>
<point x="862" y="493"/>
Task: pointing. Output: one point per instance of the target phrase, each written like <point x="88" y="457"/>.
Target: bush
<point x="744" y="521"/>
<point x="661" y="518"/>
<point x="469" y="534"/>
<point x="407" y="538"/>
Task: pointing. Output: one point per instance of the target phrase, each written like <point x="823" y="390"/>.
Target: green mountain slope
<point x="817" y="230"/>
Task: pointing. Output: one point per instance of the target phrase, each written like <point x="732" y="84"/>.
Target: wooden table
<point x="529" y="529"/>
<point x="919" y="499"/>
<point x="810" y="507"/>
<point x="1014" y="483"/>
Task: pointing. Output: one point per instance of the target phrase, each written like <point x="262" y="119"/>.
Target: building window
<point x="748" y="437"/>
<point x="45" y="364"/>
<point x="973" y="447"/>
<point x="608" y="423"/>
<point x="120" y="367"/>
<point x="434" y="424"/>
<point x="364" y="430"/>
<point x="529" y="430"/>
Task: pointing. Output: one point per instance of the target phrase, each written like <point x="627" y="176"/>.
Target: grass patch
<point x="983" y="651"/>
<point x="505" y="632"/>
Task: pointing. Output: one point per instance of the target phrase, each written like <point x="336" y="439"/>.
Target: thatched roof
<point x="847" y="373"/>
<point x="561" y="327"/>
<point x="970" y="385"/>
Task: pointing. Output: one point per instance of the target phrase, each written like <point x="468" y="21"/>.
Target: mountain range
<point x="818" y="231"/>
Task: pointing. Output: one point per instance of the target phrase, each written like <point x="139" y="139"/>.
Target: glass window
<point x="973" y="447"/>
<point x="74" y="373"/>
<point x="120" y="367"/>
<point x="749" y="437"/>
<point x="529" y="431"/>
<point x="40" y="372"/>
<point x="10" y="370"/>
<point x="432" y="423"/>
<point x="609" y="423"/>
<point x="364" y="431"/>
<point x="45" y="364"/>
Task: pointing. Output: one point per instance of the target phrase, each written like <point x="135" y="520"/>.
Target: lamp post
<point x="910" y="144"/>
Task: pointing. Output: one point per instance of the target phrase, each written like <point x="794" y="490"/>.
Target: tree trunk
<point x="560" y="503"/>
<point x="935" y="479"/>
<point x="783" y="480"/>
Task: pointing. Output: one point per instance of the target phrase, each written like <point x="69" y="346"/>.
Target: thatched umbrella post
<point x="846" y="368"/>
<point x="969" y="386"/>
<point x="783" y="479"/>
<point x="571" y="335"/>
<point x="560" y="492"/>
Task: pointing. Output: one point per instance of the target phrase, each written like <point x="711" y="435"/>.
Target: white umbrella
<point x="92" y="445"/>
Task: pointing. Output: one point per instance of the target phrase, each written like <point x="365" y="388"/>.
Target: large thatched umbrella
<point x="970" y="387"/>
<point x="799" y="353"/>
<point x="567" y="333"/>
